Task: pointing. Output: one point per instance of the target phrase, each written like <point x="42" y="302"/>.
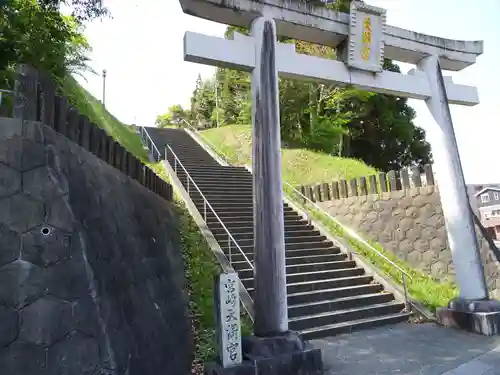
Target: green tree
<point x="203" y="104"/>
<point x="82" y="10"/>
<point x="177" y="114"/>
<point x="41" y="37"/>
<point x="163" y="121"/>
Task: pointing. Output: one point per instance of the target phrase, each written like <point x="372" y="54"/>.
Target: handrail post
<point x="175" y="165"/>
<point x="205" y="210"/>
<point x="407" y="305"/>
<point x="188" y="178"/>
<point x="229" y="245"/>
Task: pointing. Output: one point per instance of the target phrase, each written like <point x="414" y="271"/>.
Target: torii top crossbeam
<point x="317" y="24"/>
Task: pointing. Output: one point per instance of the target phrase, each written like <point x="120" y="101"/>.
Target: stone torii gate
<point x="363" y="40"/>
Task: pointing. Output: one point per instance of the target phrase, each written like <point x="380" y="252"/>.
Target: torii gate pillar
<point x="270" y="305"/>
<point x="260" y="54"/>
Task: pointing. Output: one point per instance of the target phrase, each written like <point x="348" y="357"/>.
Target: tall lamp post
<point x="104" y="87"/>
<point x="217" y="99"/>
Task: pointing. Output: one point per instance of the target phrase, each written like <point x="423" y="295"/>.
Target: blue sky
<point x="141" y="48"/>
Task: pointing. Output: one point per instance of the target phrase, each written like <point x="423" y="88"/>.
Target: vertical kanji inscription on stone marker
<point x="227" y="317"/>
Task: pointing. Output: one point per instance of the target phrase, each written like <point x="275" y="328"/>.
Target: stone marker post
<point x="227" y="319"/>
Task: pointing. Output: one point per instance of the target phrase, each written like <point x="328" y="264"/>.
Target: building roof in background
<point x="495" y="188"/>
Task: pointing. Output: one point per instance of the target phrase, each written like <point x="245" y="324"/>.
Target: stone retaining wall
<point x="91" y="272"/>
<point x="410" y="224"/>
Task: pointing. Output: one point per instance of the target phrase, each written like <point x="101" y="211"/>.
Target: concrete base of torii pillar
<point x="274" y="349"/>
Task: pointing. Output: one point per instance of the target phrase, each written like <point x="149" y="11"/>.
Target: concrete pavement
<point x="410" y="349"/>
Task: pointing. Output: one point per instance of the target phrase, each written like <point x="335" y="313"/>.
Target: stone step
<point x="222" y="171"/>
<point x="217" y="178"/>
<point x="191" y="161"/>
<point x="221" y="198"/>
<point x="288" y="233"/>
<point x="299" y="256"/>
<point x="291" y="237"/>
<point x="318" y="307"/>
<point x="247" y="215"/>
<point x="300" y="249"/>
<point x="292" y="221"/>
<point x="235" y="231"/>
<point x="233" y="206"/>
<point x="350" y="326"/>
<point x="239" y="263"/>
<point x="324" y="270"/>
<point x="323" y="285"/>
<point x="214" y="186"/>
<point x="192" y="165"/>
<point x="320" y="241"/>
<point x="188" y="155"/>
<point x="294" y="276"/>
<point x="245" y="195"/>
<point x="218" y="168"/>
<point x="333" y="293"/>
<point x="351" y="314"/>
<point x="225" y="189"/>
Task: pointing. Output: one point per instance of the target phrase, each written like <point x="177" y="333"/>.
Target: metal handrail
<point x="144" y="131"/>
<point x="206" y="204"/>
<point x="358" y="238"/>
<point x="346" y="229"/>
<point x="349" y="231"/>
<point x="224" y="156"/>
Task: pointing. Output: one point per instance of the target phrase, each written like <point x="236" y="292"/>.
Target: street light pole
<point x="104" y="87"/>
<point x="217" y="99"/>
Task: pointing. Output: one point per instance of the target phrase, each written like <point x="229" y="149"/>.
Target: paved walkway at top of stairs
<point x="410" y="349"/>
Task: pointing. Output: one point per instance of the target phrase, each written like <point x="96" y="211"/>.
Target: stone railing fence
<point x="37" y="98"/>
<point x="373" y="184"/>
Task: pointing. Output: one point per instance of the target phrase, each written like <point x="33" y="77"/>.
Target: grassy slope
<point x="91" y="107"/>
<point x="200" y="262"/>
<point x="302" y="167"/>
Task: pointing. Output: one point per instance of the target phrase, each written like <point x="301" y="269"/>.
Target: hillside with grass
<point x="89" y="106"/>
<point x="300" y="166"/>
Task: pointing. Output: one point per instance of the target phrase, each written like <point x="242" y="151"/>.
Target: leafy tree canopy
<point x="42" y="37"/>
<point x="175" y="115"/>
<point x="82" y="10"/>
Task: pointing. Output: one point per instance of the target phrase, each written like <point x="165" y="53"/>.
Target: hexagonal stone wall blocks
<point x="45" y="321"/>
<point x="45" y="245"/>
<point x="11" y="244"/>
<point x="43" y="184"/>
<point x="410" y="224"/>
<point x="9" y="322"/>
<point x="74" y="355"/>
<point x="68" y="273"/>
<point x="21" y="283"/>
<point x="21" y="213"/>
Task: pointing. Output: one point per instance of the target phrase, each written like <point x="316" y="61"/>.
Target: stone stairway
<point x="328" y="294"/>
